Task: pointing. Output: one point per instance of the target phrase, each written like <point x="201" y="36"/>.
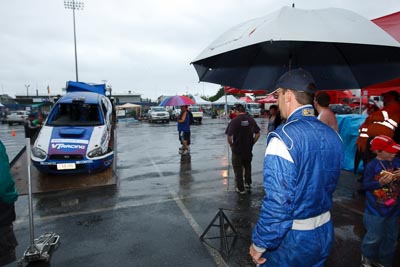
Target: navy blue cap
<point x="297" y="80"/>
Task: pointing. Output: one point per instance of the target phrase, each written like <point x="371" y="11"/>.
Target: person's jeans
<point x="239" y="163"/>
<point x="380" y="240"/>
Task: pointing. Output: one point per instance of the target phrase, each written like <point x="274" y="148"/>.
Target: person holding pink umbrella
<point x="184" y="130"/>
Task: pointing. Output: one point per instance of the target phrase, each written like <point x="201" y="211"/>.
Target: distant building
<point x="133" y="98"/>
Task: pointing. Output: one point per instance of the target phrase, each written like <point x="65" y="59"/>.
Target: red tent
<point x="235" y="91"/>
<point x="380" y="88"/>
<point x="267" y="99"/>
<point x="246" y="99"/>
<point x="391" y="24"/>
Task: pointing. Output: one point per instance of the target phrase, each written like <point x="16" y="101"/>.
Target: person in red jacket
<point x="381" y="122"/>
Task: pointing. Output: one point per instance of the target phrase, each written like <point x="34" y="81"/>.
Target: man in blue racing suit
<point x="301" y="168"/>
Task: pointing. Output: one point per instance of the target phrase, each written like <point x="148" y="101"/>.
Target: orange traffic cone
<point x="13" y="133"/>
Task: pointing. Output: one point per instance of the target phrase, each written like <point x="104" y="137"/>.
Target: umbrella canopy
<point x="340" y="48"/>
<point x="267" y="99"/>
<point x="177" y="100"/>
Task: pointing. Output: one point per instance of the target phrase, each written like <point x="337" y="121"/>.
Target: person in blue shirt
<point x="302" y="166"/>
<point x="8" y="195"/>
<point x="382" y="187"/>
<point x="184" y="130"/>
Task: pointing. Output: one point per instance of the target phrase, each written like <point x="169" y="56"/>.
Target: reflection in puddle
<point x="346" y="233"/>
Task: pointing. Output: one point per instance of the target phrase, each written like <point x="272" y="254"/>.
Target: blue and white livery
<point x="77" y="135"/>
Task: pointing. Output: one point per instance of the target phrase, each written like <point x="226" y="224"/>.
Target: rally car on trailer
<point x="77" y="136"/>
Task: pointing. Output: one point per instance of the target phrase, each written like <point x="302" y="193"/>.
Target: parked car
<point x="341" y="109"/>
<point x="77" y="135"/>
<point x="176" y="111"/>
<point x="18" y="116"/>
<point x="197" y="113"/>
<point x="158" y="114"/>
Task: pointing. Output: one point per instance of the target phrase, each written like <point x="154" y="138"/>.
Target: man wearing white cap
<point x="302" y="165"/>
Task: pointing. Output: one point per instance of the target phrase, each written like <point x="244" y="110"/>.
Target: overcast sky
<point x="141" y="46"/>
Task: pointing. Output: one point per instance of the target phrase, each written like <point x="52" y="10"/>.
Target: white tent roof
<point x="201" y="101"/>
<point x="230" y="100"/>
<point x="128" y="105"/>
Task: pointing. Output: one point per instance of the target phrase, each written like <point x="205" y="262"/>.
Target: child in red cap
<point x="382" y="186"/>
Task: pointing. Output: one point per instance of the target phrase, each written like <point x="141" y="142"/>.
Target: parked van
<point x="253" y="109"/>
<point x="77" y="136"/>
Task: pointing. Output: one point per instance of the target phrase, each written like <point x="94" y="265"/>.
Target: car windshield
<point x="75" y="114"/>
<point x="253" y="106"/>
<point x="158" y="109"/>
<point x="195" y="109"/>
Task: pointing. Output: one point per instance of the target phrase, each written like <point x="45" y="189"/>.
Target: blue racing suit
<point x="301" y="169"/>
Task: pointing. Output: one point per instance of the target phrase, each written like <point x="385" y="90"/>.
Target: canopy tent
<point x="200" y="101"/>
<point x="230" y="100"/>
<point x="121" y="109"/>
<point x="380" y="88"/>
<point x="236" y="91"/>
<point x="267" y="99"/>
<point x="127" y="106"/>
<point x="246" y="99"/>
<point x="390" y="23"/>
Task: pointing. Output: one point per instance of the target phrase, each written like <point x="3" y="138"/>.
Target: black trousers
<point x="241" y="164"/>
<point x="8" y="242"/>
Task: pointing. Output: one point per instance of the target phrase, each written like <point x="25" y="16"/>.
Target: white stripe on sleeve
<point x="278" y="148"/>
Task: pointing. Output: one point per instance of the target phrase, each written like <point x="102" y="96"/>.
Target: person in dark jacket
<point x="8" y="195"/>
<point x="242" y="133"/>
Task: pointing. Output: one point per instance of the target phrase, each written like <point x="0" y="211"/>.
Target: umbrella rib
<point x="347" y="64"/>
<point x="249" y="65"/>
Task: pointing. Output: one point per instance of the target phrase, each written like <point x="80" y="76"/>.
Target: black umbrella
<point x="341" y="49"/>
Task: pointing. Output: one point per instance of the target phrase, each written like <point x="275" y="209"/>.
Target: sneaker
<point x="240" y="192"/>
<point x="365" y="262"/>
<point x="247" y="186"/>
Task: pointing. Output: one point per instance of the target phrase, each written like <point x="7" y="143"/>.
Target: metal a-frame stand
<point x="223" y="223"/>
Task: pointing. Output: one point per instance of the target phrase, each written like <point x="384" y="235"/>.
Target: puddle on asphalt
<point x="346" y="233"/>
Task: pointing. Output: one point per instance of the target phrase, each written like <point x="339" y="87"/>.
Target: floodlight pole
<point x="27" y="86"/>
<point x="74" y="5"/>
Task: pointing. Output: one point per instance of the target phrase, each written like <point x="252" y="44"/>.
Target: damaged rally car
<point x="77" y="136"/>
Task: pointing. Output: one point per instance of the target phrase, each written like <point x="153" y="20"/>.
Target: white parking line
<point x="195" y="226"/>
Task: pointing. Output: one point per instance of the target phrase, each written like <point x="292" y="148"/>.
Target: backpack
<point x="191" y="119"/>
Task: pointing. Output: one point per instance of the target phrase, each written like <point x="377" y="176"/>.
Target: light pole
<point x="27" y="86"/>
<point x="79" y="6"/>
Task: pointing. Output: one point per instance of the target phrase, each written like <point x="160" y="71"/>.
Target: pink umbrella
<point x="177" y="100"/>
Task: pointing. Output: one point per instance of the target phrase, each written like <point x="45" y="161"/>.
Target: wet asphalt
<point x="163" y="202"/>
